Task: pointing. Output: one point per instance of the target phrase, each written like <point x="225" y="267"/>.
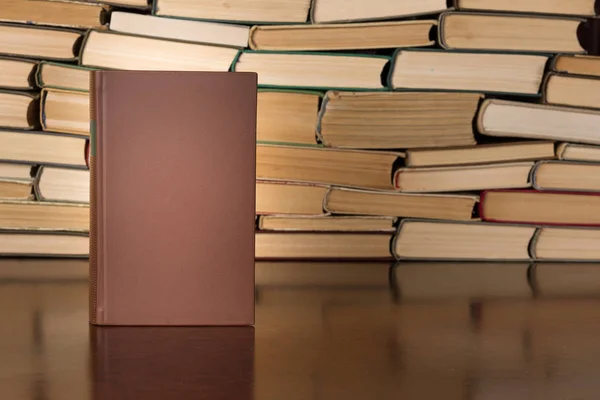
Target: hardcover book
<point x="172" y="198"/>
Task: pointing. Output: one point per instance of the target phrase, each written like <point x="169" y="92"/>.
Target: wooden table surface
<point x="324" y="331"/>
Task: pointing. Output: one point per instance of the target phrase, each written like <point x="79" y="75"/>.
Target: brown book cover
<point x="172" y="198"/>
<point x="215" y="363"/>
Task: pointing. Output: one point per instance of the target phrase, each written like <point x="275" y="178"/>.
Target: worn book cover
<point x="172" y="198"/>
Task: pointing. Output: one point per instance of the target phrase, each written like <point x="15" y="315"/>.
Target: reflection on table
<point x="324" y="331"/>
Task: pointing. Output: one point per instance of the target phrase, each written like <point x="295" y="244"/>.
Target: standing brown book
<point x="172" y="198"/>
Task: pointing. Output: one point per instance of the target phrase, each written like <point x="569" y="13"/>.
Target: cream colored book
<point x="15" y="171"/>
<point x="571" y="90"/>
<point x="351" y="168"/>
<point x="180" y="29"/>
<point x="576" y="64"/>
<point x="566" y="176"/>
<point x="13" y="189"/>
<point x="322" y="245"/>
<point x="282" y="116"/>
<point x="17" y="73"/>
<point x="18" y="110"/>
<point x="319" y="37"/>
<point x="318" y="200"/>
<point x="541" y="207"/>
<point x="35" y="215"/>
<point x="63" y="185"/>
<point x="290" y="198"/>
<point x="119" y="51"/>
<point x="39" y="42"/>
<point x="480" y="154"/>
<point x="377" y="203"/>
<point x="509" y="32"/>
<point x="264" y="11"/>
<point x="43" y="244"/>
<point x="466" y="241"/>
<point x="309" y="223"/>
<point x="314" y="70"/>
<point x="360" y="10"/>
<point x="287" y="116"/>
<point x="570" y="7"/>
<point x="397" y="120"/>
<point x="63" y="76"/>
<point x="468" y="71"/>
<point x="578" y="152"/>
<point x="535" y="121"/>
<point x="65" y="111"/>
<point x="57" y="13"/>
<point x="441" y="240"/>
<point x="40" y="148"/>
<point x="464" y="178"/>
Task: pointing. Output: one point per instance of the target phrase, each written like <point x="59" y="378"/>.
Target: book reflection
<point x="172" y="362"/>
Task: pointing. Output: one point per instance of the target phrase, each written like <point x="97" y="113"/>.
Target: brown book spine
<point x="93" y="204"/>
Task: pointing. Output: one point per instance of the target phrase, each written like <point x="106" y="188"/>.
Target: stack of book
<point x="407" y="129"/>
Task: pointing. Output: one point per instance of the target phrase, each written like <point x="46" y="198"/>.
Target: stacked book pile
<point x="408" y="129"/>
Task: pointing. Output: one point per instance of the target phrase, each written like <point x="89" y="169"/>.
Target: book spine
<point x="93" y="300"/>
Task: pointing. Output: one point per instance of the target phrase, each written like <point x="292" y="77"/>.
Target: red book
<point x="540" y="207"/>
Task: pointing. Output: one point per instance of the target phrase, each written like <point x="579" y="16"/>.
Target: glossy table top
<point x="450" y="331"/>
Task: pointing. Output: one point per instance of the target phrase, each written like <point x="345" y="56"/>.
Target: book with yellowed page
<point x="475" y="71"/>
<point x="18" y="243"/>
<point x="448" y="241"/>
<point x="31" y="41"/>
<point x="480" y="154"/>
<point x="397" y="120"/>
<point x="241" y="11"/>
<point x="576" y="64"/>
<point x="548" y="207"/>
<point x="65" y="111"/>
<point x="322" y="245"/>
<point x="16" y="171"/>
<point x="571" y="7"/>
<point x="571" y="90"/>
<point x="510" y="32"/>
<point x="325" y="223"/>
<point x="180" y="29"/>
<point x="323" y="37"/>
<point x="56" y="13"/>
<point x="16" y="189"/>
<point x="320" y="200"/>
<point x="577" y="152"/>
<point x="287" y="116"/>
<point x="315" y="70"/>
<point x="58" y="184"/>
<point x="50" y="75"/>
<point x="18" y="110"/>
<point x="34" y="215"/>
<point x="17" y="74"/>
<point x="283" y="116"/>
<point x="516" y="119"/>
<point x="112" y="50"/>
<point x="567" y="176"/>
<point x="42" y="148"/>
<point x="374" y="10"/>
<point x="464" y="178"/>
<point x="353" y="168"/>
